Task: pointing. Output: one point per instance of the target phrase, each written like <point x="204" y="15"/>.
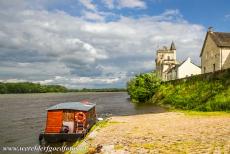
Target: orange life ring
<point x="80" y="117"/>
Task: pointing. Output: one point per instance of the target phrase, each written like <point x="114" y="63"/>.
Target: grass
<point x="200" y="113"/>
<point x="118" y="147"/>
<point x="96" y="127"/>
<point x="103" y="124"/>
<point x="80" y="150"/>
<point x="194" y="95"/>
<point x="149" y="146"/>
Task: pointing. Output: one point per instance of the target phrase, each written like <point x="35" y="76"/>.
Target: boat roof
<point x="80" y="106"/>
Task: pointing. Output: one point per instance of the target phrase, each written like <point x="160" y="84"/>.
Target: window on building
<point x="214" y="67"/>
<point x="168" y="57"/>
<point x="204" y="69"/>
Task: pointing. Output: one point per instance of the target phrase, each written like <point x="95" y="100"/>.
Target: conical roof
<point x="173" y="47"/>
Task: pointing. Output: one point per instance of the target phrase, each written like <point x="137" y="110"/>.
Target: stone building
<point x="215" y="53"/>
<point x="168" y="68"/>
<point x="185" y="69"/>
<point x="165" y="60"/>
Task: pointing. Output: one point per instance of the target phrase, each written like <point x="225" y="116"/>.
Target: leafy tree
<point x="142" y="87"/>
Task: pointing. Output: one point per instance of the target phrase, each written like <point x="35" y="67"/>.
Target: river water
<point x="23" y="116"/>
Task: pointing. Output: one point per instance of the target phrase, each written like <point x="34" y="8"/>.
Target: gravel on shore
<point x="169" y="132"/>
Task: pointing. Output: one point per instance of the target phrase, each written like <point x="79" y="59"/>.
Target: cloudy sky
<point x="99" y="43"/>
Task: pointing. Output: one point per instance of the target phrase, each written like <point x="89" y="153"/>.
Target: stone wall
<point x="225" y="58"/>
<point x="218" y="75"/>
<point x="210" y="56"/>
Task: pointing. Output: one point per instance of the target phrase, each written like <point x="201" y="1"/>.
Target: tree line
<point x="28" y="87"/>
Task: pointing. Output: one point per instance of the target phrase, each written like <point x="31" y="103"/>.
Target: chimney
<point x="210" y="29"/>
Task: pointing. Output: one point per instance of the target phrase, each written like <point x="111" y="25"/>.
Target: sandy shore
<point x="170" y="132"/>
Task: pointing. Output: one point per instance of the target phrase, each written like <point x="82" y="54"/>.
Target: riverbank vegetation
<point x="195" y="93"/>
<point x="28" y="87"/>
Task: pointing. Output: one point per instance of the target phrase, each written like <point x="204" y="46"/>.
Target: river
<point x="23" y="116"/>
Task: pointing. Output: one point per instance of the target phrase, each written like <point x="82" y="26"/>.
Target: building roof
<point x="72" y="106"/>
<point x="221" y="39"/>
<point x="178" y="65"/>
<point x="173" y="47"/>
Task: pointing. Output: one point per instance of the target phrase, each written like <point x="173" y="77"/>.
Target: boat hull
<point x="60" y="137"/>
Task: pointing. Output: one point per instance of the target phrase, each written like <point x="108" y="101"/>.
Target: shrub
<point x="142" y="87"/>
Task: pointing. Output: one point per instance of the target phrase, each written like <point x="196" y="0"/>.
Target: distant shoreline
<point x="30" y="88"/>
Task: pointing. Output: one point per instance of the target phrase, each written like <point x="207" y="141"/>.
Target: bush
<point x="142" y="87"/>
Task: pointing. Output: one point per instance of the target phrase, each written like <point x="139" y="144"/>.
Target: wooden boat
<point x="68" y="121"/>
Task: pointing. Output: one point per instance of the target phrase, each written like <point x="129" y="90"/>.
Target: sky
<point x="100" y="43"/>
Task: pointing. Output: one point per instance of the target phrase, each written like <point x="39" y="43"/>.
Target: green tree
<point x="142" y="87"/>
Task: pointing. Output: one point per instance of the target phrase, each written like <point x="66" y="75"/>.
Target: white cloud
<point x="132" y="4"/>
<point x="94" y="16"/>
<point x="57" y="48"/>
<point x="45" y="82"/>
<point x="109" y="3"/>
<point x="88" y="4"/>
<point x="13" y="80"/>
<point x="227" y="16"/>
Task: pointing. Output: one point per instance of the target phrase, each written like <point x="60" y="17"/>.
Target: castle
<point x="168" y="68"/>
<point x="165" y="60"/>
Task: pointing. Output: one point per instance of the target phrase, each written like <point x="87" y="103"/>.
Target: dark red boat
<point x="68" y="121"/>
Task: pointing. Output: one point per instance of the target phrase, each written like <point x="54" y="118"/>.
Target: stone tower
<point x="165" y="60"/>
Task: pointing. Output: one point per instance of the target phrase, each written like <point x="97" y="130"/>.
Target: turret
<point x="173" y="48"/>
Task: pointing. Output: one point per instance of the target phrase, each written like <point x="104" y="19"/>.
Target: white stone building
<point x="183" y="70"/>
